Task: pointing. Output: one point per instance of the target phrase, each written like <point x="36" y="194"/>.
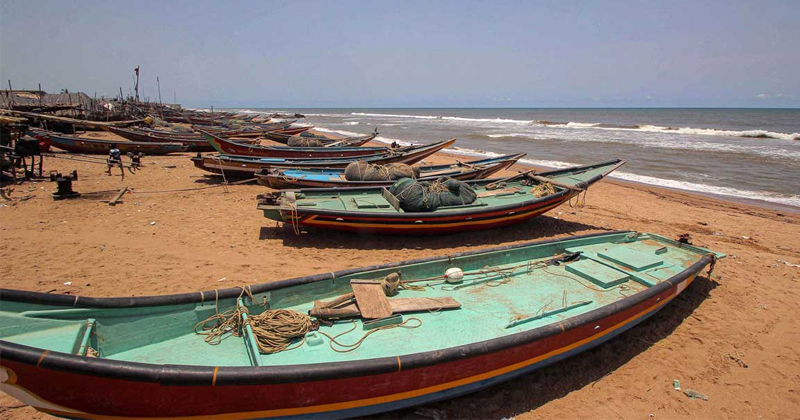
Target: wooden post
<point x="10" y="95"/>
<point x="136" y="84"/>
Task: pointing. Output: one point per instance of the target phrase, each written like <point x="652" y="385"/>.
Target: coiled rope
<point x="543" y="189"/>
<point x="273" y="329"/>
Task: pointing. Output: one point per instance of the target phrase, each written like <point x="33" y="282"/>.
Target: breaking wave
<point x="789" y="200"/>
<point x="704" y="146"/>
<point x="762" y="134"/>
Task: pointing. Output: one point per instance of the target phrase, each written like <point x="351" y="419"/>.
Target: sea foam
<point x="789" y="200"/>
<point x="601" y="126"/>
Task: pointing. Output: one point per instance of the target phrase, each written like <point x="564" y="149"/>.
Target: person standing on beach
<point x="115" y="159"/>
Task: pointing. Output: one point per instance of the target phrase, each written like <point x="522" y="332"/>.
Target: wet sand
<point x="732" y="337"/>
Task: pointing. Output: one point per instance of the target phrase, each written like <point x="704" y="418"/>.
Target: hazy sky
<point x="411" y="53"/>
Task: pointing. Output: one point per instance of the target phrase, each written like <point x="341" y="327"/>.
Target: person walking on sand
<point x="115" y="159"/>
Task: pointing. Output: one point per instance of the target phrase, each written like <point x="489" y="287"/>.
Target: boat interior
<point x="498" y="293"/>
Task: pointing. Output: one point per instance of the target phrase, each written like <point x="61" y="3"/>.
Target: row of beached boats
<point x="352" y="342"/>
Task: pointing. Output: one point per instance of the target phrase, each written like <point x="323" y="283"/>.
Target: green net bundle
<point x="365" y="171"/>
<point x="417" y="196"/>
<point x="300" y="141"/>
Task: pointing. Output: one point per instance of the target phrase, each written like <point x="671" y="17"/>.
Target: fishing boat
<point x="352" y="140"/>
<point x="247" y="166"/>
<point x="289" y="131"/>
<point x="325" y="140"/>
<point x="456" y="324"/>
<point x="375" y="210"/>
<point x="228" y="147"/>
<point x="102" y="147"/>
<point x="194" y="143"/>
<point x="256" y="130"/>
<point x="291" y="178"/>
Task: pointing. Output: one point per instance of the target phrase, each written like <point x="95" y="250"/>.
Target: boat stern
<point x="272" y="206"/>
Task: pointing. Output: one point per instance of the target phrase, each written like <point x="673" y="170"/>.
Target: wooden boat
<point x="255" y="130"/>
<point x="247" y="166"/>
<point x="375" y="209"/>
<point x="228" y="147"/>
<point x="290" y="131"/>
<point x="194" y="144"/>
<point x="291" y="178"/>
<point x="351" y="141"/>
<point x="228" y="132"/>
<point x="139" y="357"/>
<point x="102" y="147"/>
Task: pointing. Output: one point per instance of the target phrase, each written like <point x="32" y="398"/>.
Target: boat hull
<point x="232" y="148"/>
<point x="352" y="141"/>
<point x="102" y="147"/>
<point x="51" y="385"/>
<point x="234" y="167"/>
<point x="419" y="223"/>
<point x="277" y="135"/>
<point x="195" y="143"/>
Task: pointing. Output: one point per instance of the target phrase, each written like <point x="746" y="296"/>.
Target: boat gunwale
<point x="194" y="375"/>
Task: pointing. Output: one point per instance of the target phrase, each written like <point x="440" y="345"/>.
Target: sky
<point x="411" y="53"/>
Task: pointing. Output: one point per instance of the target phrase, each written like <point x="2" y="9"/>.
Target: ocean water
<point x="743" y="153"/>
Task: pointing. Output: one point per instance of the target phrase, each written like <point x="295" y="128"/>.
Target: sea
<point x="751" y="154"/>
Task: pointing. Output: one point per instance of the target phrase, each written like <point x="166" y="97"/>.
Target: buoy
<point x="454" y="275"/>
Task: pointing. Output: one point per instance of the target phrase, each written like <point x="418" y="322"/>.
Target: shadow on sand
<point x="538" y="228"/>
<point x="536" y="389"/>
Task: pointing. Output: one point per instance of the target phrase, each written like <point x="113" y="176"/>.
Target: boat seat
<point x="363" y="203"/>
<point x="597" y="273"/>
<point x="638" y="261"/>
<point x="631" y="258"/>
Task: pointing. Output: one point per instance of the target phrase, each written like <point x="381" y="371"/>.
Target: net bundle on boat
<point x="364" y="171"/>
<point x="415" y="196"/>
<point x="300" y="141"/>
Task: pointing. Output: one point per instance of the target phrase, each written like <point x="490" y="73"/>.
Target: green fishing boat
<point x="378" y="210"/>
<point x="377" y="338"/>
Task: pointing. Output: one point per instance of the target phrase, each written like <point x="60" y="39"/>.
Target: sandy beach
<point x="732" y="338"/>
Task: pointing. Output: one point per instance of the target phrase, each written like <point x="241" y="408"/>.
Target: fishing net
<point x="300" y="141"/>
<point x="364" y="171"/>
<point x="417" y="196"/>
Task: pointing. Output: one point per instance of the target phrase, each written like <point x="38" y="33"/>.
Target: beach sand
<point x="733" y="338"/>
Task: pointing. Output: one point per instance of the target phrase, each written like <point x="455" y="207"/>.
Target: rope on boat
<point x="543" y="189"/>
<point x="578" y="202"/>
<point x="345" y="348"/>
<point x="294" y="218"/>
<point x="621" y="289"/>
<point x="273" y="329"/>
